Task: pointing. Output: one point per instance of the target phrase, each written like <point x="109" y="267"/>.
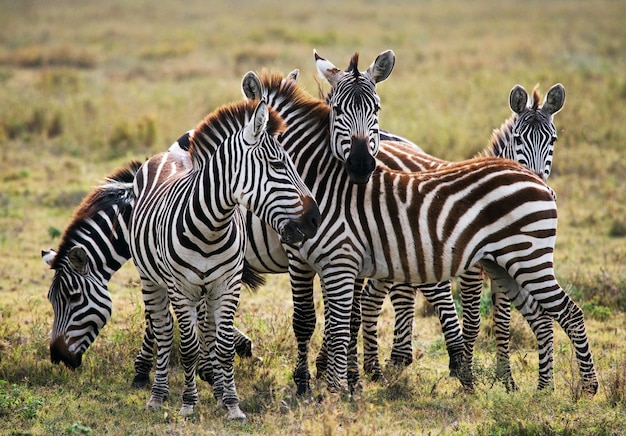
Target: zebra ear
<point x="251" y="86"/>
<point x="381" y="68"/>
<point x="327" y="70"/>
<point x="48" y="256"/>
<point x="78" y="259"/>
<point x="257" y="125"/>
<point x="518" y="99"/>
<point x="555" y="99"/>
<point x="293" y="76"/>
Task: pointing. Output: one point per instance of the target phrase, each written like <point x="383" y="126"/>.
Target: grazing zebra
<point x="93" y="247"/>
<point x="528" y="137"/>
<point x="187" y="236"/>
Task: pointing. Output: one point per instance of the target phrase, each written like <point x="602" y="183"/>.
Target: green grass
<point x="87" y="86"/>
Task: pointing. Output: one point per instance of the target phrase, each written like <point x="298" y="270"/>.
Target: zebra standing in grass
<point x="350" y="244"/>
<point x="187" y="236"/>
<point x="93" y="247"/>
<point x="528" y="137"/>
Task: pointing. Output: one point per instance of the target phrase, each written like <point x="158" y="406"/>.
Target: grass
<point x="86" y="87"/>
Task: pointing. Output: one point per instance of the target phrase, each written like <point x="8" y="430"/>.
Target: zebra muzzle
<point x="59" y="352"/>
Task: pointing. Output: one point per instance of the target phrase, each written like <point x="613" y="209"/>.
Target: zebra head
<point x="93" y="247"/>
<point x="354" y="107"/>
<point x="533" y="133"/>
<point x="271" y="187"/>
<point x="73" y="292"/>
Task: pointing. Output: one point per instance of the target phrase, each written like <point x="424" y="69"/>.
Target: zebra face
<point x="272" y="189"/>
<point x="533" y="135"/>
<point x="354" y="111"/>
<point x="81" y="305"/>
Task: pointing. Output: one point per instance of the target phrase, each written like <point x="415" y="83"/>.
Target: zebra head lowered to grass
<point x="188" y="241"/>
<point x="93" y="247"/>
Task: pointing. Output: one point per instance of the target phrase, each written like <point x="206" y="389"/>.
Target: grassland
<point x="86" y="86"/>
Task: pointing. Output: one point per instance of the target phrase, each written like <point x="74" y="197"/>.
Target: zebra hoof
<point x="244" y="349"/>
<point x="235" y="414"/>
<point x="186" y="410"/>
<point x="154" y="403"/>
<point x="140" y="381"/>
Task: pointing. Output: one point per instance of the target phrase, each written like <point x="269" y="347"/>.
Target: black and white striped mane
<point x="220" y="124"/>
<point x="117" y="190"/>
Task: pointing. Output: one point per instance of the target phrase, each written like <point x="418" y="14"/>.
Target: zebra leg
<point x="542" y="327"/>
<point x="402" y="298"/>
<point x="301" y="278"/>
<point x="224" y="314"/>
<point x="157" y="305"/>
<point x="338" y="288"/>
<point x="502" y="321"/>
<point x="143" y="361"/>
<point x="440" y="296"/>
<point x="371" y="304"/>
<point x="243" y="347"/>
<point x="321" y="362"/>
<point x="189" y="348"/>
<point x="556" y="303"/>
<point x="471" y="288"/>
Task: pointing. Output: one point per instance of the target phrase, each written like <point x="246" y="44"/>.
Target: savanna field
<point x="87" y="86"/>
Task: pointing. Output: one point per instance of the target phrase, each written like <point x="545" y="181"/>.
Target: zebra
<point x="187" y="236"/>
<point x="94" y="246"/>
<point x="310" y="307"/>
<point x="346" y="248"/>
<point x="528" y="136"/>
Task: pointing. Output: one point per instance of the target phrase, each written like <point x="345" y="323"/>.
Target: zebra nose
<point x="59" y="352"/>
<point x="360" y="163"/>
<point x="310" y="221"/>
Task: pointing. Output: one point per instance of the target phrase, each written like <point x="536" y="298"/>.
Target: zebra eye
<point x="517" y="139"/>
<point x="337" y="110"/>
<point x="553" y="140"/>
<point x="74" y="296"/>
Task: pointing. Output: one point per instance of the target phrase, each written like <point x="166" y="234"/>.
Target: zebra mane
<point x="500" y="137"/>
<point x="293" y="92"/>
<point x="353" y="66"/>
<point x="117" y="190"/>
<point x="536" y="98"/>
<point x="211" y="132"/>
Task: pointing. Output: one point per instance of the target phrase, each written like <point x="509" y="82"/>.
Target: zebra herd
<point x="340" y="199"/>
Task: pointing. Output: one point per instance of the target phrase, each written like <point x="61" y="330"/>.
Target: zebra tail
<point x="251" y="278"/>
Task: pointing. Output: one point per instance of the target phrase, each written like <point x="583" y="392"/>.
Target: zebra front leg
<point x="301" y="278"/>
<point x="338" y="289"/>
<point x="145" y="357"/>
<point x="225" y="351"/>
<point x="243" y="347"/>
<point x="371" y="305"/>
<point x="157" y="305"/>
<point x="189" y="347"/>
<point x="321" y="362"/>
<point x="439" y="295"/>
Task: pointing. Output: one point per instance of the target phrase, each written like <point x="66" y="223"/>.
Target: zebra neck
<point x="214" y="198"/>
<point x="106" y="237"/>
<point x="502" y="140"/>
